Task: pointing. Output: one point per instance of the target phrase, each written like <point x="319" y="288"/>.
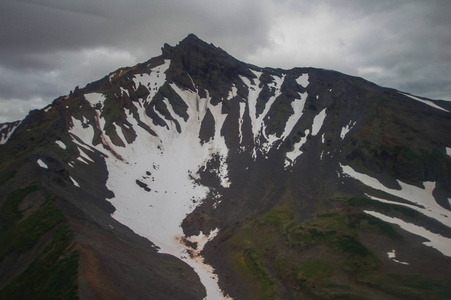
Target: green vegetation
<point x="41" y="230"/>
<point x="51" y="276"/>
<point x="9" y="213"/>
<point x="323" y="257"/>
<point x="411" y="286"/>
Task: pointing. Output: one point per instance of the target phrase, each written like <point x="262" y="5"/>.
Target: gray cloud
<point x="49" y="47"/>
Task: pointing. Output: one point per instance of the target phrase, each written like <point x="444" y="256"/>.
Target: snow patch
<point x="303" y="80"/>
<point x="448" y="151"/>
<point x="95" y="98"/>
<point x="84" y="155"/>
<point x="124" y="91"/>
<point x="10" y="130"/>
<point x="346" y="129"/>
<point x="240" y="121"/>
<point x="42" y="164"/>
<point x="61" y="144"/>
<point x="298" y="107"/>
<point x="293" y="155"/>
<point x="436" y="241"/>
<point x="194" y="259"/>
<point x="392" y="256"/>
<point x="74" y="181"/>
<point x="257" y="124"/>
<point x="427" y="102"/>
<point x="232" y="93"/>
<point x="408" y="192"/>
<point x="318" y="122"/>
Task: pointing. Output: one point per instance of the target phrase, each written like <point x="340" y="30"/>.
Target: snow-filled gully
<point x="152" y="178"/>
<point x="167" y="171"/>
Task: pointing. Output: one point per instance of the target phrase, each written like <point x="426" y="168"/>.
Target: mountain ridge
<point x="209" y="150"/>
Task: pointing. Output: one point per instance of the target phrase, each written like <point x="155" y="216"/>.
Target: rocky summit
<point x="194" y="175"/>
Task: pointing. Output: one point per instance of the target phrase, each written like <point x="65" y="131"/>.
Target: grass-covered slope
<point x="37" y="257"/>
<point x="329" y="257"/>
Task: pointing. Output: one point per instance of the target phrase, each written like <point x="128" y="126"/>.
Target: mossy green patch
<point x="323" y="257"/>
<point x="315" y="269"/>
<point x="271" y="248"/>
<point x="411" y="286"/>
<point x="52" y="273"/>
<point x="9" y="212"/>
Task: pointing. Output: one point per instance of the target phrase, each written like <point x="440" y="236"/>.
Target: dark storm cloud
<point x="48" y="47"/>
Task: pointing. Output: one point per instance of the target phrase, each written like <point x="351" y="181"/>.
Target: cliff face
<point x="258" y="183"/>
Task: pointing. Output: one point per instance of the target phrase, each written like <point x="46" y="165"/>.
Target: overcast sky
<point x="47" y="47"/>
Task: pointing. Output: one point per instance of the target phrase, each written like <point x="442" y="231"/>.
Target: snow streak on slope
<point x="430" y="103"/>
<point x="419" y="196"/>
<point x="61" y="144"/>
<point x="6" y="130"/>
<point x="318" y="121"/>
<point x="346" y="129"/>
<point x="257" y="121"/>
<point x="422" y="197"/>
<point x="154" y="179"/>
<point x="298" y="106"/>
<point x="42" y="164"/>
<point x="436" y="241"/>
<point x="392" y="256"/>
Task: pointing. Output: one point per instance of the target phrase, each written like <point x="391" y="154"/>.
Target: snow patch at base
<point x="392" y="256"/>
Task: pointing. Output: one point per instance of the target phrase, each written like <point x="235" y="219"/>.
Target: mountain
<point x="196" y="175"/>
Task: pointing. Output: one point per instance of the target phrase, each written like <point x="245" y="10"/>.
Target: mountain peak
<point x="192" y="38"/>
<point x="205" y="65"/>
<point x="197" y="163"/>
